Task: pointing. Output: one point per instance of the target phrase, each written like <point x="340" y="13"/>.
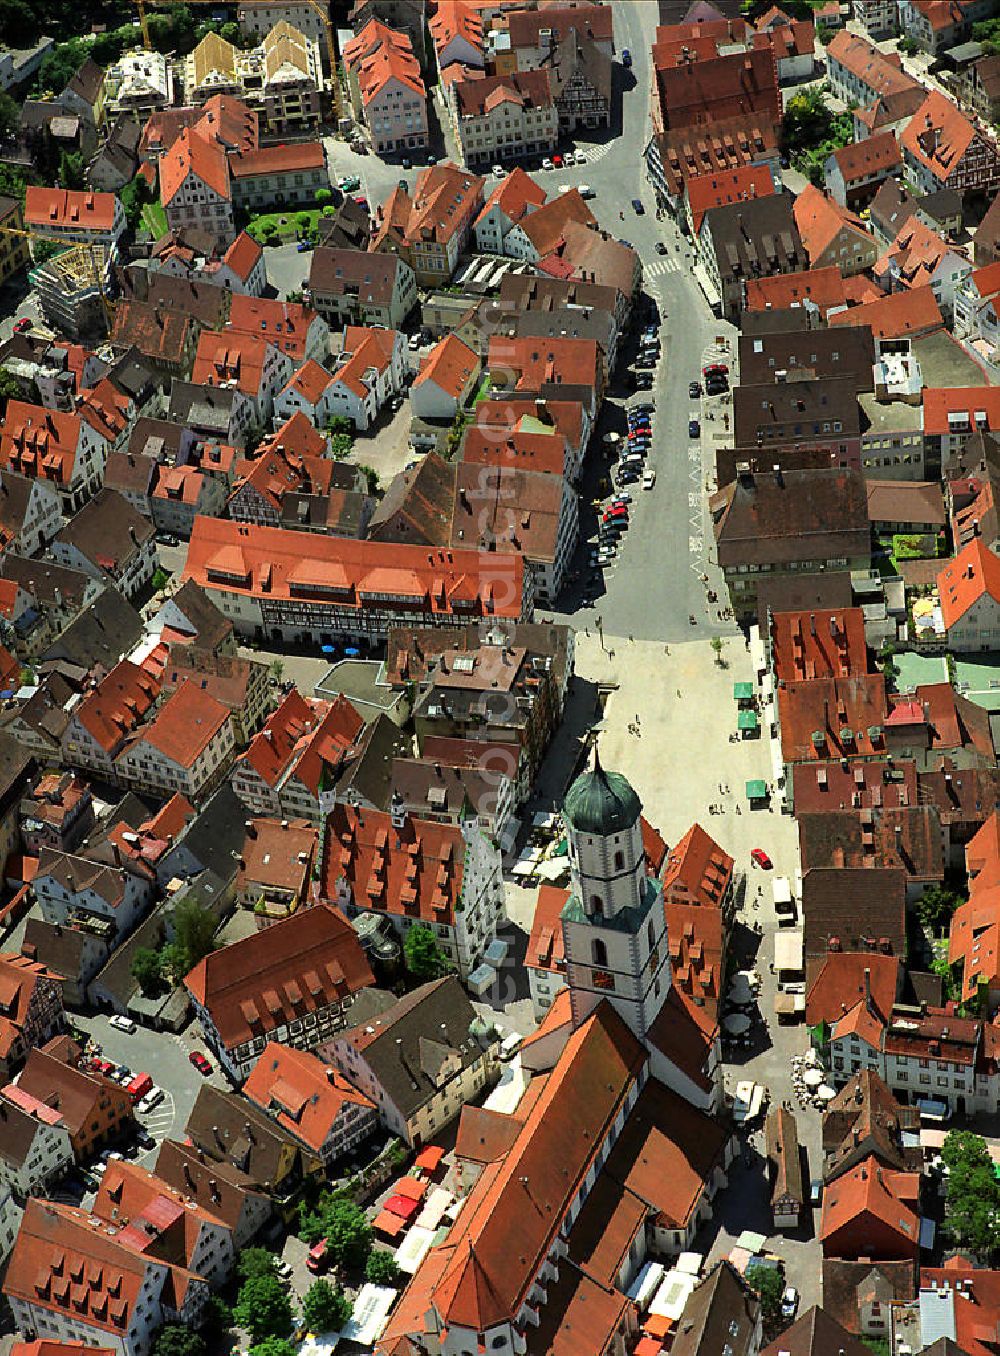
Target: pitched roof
<point x="855" y="907"/>
<point x="815" y="1333"/>
<point x="68" y="209"/>
<point x="300" y="965"/>
<point x="300" y="738"/>
<point x="449" y="365"/>
<point x="819" y="287"/>
<point x="973" y="574"/>
<point x="514" y="196"/>
<point x="305" y="1096"/>
<point x="896" y="316"/>
<point x="285" y="324"/>
<point x="860" y="159"/>
<point x="185" y="724"/>
<point x="705" y="191"/>
<point x="820" y="221"/>
<point x="192" y="154"/>
<point x="545" y="228"/>
<point x="938" y="135"/>
<point x="867" y="1196"/>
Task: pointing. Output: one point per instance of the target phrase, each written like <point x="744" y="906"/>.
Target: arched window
<point x="599" y="951"/>
<point x="650" y="935"/>
<point x="619" y="860"/>
<point x="597" y="906"/>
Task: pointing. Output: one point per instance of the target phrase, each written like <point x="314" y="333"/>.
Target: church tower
<point x="614" y="927"/>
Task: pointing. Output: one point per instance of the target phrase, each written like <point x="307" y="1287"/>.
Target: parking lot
<point x="165" y="1057"/>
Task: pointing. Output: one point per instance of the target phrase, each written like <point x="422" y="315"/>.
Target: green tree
<point x="322" y="196"/>
<point x="134" y="197"/>
<point x="303" y="222"/>
<point x="161" y="578"/>
<point x="371" y="476"/>
<point x="807" y="121"/>
<point x="972" y="1194"/>
<point x="716" y="643"/>
<point x="194" y="931"/>
<point x="767" y="1284"/>
<point x="277" y="670"/>
<point x="60" y="65"/>
<point x="381" y="1267"/>
<point x="936" y="906"/>
<point x="273" y="1346"/>
<point x="19" y="24"/>
<point x="341" y="446"/>
<point x="217" y="1319"/>
<point x="339" y="423"/>
<point x="10" y="115"/>
<point x="347" y="1231"/>
<point x="424" y="958"/>
<point x="147" y="971"/>
<point x="177" y="1339"/>
<point x="10" y="388"/>
<point x="254" y="1262"/>
<point x="264" y="1308"/>
<point x="43" y="250"/>
<point x="70" y="173"/>
<point x="324" y="1308"/>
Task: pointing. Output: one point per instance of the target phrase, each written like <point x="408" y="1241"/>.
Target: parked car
<point x="499" y="172"/>
<point x="414" y="342"/>
<point x="547" y="164"/>
<point x="643" y="407"/>
<point x="284" y="1270"/>
<point x="200" y="1062"/>
<point x="144" y="1139"/>
<point x="760" y="858"/>
<point x="569" y="158"/>
<point x="151" y="1101"/>
<point x="661" y="247"/>
<point x="22" y="325"/>
<point x="626" y="58"/>
<point x="694" y="428"/>
<point x="649" y="480"/>
<point x="638" y="208"/>
<point x="789" y="1302"/>
<point x="719" y="369"/>
<point x="557" y="161"/>
<point x="139" y="1086"/>
<point x="122" y="1023"/>
<point x="694" y="389"/>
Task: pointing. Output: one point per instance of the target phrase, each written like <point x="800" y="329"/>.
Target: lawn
<point x="483" y="393"/>
<point x="154" y="219"/>
<point x="285" y="223"/>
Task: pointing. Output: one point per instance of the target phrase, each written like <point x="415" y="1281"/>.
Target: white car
<point x="623" y="498"/>
<point x="569" y="158"/>
<point x="414" y="342"/>
<point x="789" y="1302"/>
<point x="121" y="1023"/>
<point x="547" y="165"/>
<point x="152" y="1099"/>
<point x="499" y="172"/>
<point x="284" y="1270"/>
<point x="581" y="159"/>
<point x="649" y="480"/>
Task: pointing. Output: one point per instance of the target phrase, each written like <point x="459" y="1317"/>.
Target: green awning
<point x="747" y="720"/>
<point x="743" y="692"/>
<point x="756" y="790"/>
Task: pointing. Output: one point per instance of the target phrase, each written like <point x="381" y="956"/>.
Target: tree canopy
<point x="381" y="1267"/>
<point x="766" y="1282"/>
<point x="324" y="1308"/>
<point x="811" y="132"/>
<point x="147" y="971"/>
<point x="936" y="906"/>
<point x="972" y="1194"/>
<point x="424" y="958"/>
<point x="252" y="1262"/>
<point x="264" y="1308"/>
<point x="343" y="1224"/>
<point x="177" y="1339"/>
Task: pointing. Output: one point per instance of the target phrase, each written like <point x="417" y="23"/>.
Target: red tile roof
<point x="285" y="324"/>
<point x="545" y="944"/>
<point x="960" y="409"/>
<point x="901" y="315"/>
<point x="839" y="987"/>
<point x="68" y="209"/>
<point x="860" y="159"/>
<point x="185" y="724"/>
<point x="938" y="136"/>
<point x="414" y="872"/>
<point x="973" y="573"/>
<point x="824" y="718"/>
<point x="304" y="735"/>
<point x="820" y="221"/>
<point x="118" y="705"/>
<point x="822" y="287"/>
<point x="224" y="359"/>
<point x="884" y="75"/>
<point x="867" y="1197"/>
<point x="449" y="365"/>
<point x="697" y="870"/>
<point x="304" y="964"/>
<point x="39" y="442"/>
<point x="192" y="154"/>
<point x="514" y="195"/>
<point x="818" y="644"/>
<point x="285" y="159"/>
<point x="440" y="583"/>
<point x="706" y="191"/>
<point x="301" y="1093"/>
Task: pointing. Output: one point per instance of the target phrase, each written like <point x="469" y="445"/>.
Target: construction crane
<point x="72" y="247"/>
<point x="317" y="5"/>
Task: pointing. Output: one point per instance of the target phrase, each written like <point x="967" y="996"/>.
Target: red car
<point x="557" y="161"/>
<point x="104" y="1066"/>
<point x="615" y="511"/>
<point x="712" y="369"/>
<point x="200" y="1062"/>
<point x="760" y="858"/>
<point x="21" y="325"/>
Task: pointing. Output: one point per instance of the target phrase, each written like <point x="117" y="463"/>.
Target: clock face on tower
<point x="603" y="979"/>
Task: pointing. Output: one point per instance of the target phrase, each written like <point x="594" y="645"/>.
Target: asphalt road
<point x="655" y="583"/>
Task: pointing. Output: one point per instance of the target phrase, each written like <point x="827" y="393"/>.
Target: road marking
<point x="659" y="267"/>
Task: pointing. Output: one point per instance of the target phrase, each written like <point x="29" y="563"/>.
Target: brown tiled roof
<point x="855" y="907"/>
<point x="909" y="838"/>
<point x="418" y="505"/>
<point x="307" y="962"/>
<point x="816" y="1333"/>
<point x="844" y="1283"/>
<point x="782" y="1138"/>
<point x="810" y="515"/>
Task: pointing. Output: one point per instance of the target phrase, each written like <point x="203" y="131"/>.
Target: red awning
<point x="429" y="1159"/>
<point x="411" y="1187"/>
<point x="388" y="1224"/>
<point x="403" y="1206"/>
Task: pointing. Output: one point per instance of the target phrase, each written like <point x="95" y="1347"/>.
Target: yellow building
<point x="13" y="248"/>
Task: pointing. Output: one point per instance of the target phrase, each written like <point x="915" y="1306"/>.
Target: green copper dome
<point x="601" y="802"/>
